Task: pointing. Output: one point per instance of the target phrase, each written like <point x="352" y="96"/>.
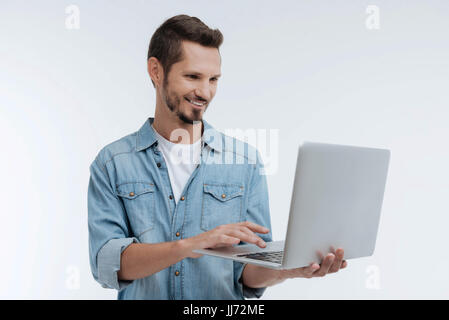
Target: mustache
<point x="197" y="98"/>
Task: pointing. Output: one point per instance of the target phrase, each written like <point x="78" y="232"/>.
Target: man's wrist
<point x="283" y="275"/>
<point x="183" y="248"/>
<point x="257" y="276"/>
<point x="280" y="276"/>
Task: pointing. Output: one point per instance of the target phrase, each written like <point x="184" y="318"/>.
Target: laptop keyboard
<point x="270" y="256"/>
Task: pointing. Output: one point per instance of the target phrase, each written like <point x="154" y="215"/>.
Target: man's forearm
<point x="140" y="260"/>
<point x="258" y="277"/>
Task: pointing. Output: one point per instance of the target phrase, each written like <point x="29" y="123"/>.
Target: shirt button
<point x="158" y="164"/>
<point x="182" y="198"/>
<point x="223" y="196"/>
<point x="131" y="194"/>
<point x="177" y="234"/>
<point x="177" y="273"/>
<point x="171" y="197"/>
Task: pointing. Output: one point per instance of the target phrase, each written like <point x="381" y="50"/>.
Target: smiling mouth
<point x="196" y="103"/>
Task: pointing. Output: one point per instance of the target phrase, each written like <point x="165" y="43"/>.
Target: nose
<point x="204" y="90"/>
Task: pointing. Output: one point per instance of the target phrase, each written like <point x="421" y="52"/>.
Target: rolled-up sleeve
<point x="258" y="212"/>
<point x="108" y="229"/>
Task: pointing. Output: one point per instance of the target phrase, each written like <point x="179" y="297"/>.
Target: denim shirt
<point x="130" y="201"/>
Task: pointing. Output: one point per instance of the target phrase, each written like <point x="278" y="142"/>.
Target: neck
<point x="168" y="125"/>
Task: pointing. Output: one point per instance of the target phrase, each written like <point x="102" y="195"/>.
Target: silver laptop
<point x="336" y="203"/>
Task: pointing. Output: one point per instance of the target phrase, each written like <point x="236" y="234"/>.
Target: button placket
<point x="159" y="160"/>
<point x="178" y="218"/>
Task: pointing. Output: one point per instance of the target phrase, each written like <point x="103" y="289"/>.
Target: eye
<point x="192" y="76"/>
<point x="214" y="79"/>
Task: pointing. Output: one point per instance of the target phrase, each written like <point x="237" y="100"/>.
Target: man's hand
<point x="330" y="264"/>
<point x="226" y="235"/>
<point x="259" y="277"/>
<point x="256" y="276"/>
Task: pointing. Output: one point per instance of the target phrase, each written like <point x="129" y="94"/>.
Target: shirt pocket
<point x="138" y="199"/>
<point x="222" y="204"/>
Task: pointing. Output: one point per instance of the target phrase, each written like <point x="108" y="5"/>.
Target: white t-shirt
<point x="181" y="160"/>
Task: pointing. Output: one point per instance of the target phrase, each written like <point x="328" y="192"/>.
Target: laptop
<point x="336" y="203"/>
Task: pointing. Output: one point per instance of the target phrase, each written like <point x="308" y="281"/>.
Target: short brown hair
<point x="166" y="42"/>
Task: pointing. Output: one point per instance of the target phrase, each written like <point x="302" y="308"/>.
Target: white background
<point x="311" y="69"/>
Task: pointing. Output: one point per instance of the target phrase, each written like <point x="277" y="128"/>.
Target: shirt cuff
<point x="249" y="292"/>
<point x="253" y="292"/>
<point x="108" y="262"/>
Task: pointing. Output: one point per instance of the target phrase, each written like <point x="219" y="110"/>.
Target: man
<point x="149" y="207"/>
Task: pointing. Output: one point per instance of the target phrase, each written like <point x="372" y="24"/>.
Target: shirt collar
<point x="146" y="136"/>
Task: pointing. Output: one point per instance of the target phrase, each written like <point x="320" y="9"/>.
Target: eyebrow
<point x="200" y="74"/>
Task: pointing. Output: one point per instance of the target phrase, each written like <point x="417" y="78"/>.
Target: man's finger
<point x="254" y="227"/>
<point x="228" y="240"/>
<point x="325" y="265"/>
<point x="311" y="269"/>
<point x="260" y="242"/>
<point x="247" y="237"/>
<point x="339" y="254"/>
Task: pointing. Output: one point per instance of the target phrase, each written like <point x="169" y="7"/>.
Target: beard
<point x="173" y="103"/>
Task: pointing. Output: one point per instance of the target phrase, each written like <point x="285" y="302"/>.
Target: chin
<point x="190" y="119"/>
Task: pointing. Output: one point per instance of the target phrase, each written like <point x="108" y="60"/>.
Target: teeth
<point x="196" y="103"/>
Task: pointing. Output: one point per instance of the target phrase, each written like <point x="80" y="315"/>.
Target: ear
<point x="155" y="71"/>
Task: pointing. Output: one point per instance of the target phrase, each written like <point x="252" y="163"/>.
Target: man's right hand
<point x="225" y="235"/>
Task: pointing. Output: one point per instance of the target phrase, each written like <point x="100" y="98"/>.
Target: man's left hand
<point x="330" y="264"/>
